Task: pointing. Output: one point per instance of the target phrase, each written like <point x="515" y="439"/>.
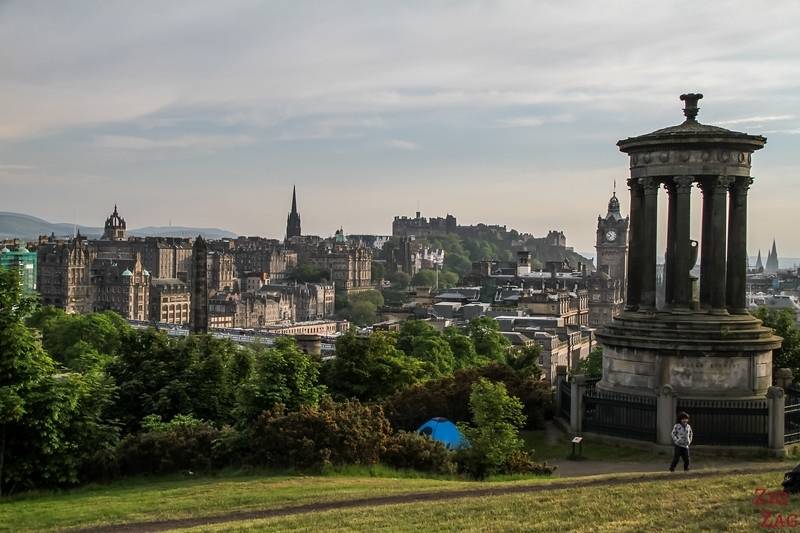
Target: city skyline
<point x="508" y="117"/>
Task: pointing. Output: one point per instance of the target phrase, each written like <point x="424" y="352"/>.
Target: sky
<point x="207" y="113"/>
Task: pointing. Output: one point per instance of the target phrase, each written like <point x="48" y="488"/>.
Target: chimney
<point x="523" y="263"/>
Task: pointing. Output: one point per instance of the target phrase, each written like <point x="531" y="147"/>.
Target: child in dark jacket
<point x="682" y="439"/>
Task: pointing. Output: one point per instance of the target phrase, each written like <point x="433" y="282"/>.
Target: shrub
<point x="449" y="397"/>
<point x="418" y="452"/>
<point x="494" y="434"/>
<point x="522" y="462"/>
<point x="184" y="443"/>
<point x="317" y="436"/>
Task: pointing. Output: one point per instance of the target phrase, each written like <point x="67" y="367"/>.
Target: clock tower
<point x="612" y="243"/>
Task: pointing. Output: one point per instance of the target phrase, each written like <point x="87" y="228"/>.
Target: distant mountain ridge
<point x="27" y="227"/>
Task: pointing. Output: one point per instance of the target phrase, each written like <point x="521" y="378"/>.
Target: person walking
<point x="682" y="439"/>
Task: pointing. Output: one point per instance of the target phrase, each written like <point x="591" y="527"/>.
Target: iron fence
<point x="565" y="396"/>
<point x="728" y="422"/>
<point x="623" y="415"/>
<point x="791" y="433"/>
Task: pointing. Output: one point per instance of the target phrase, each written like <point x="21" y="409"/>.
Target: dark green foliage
<point x="525" y="360"/>
<point x="192" y="375"/>
<point x="449" y="397"/>
<point x="420" y="340"/>
<point x="783" y="322"/>
<point x="369" y="368"/>
<point x="463" y="348"/>
<point x="592" y="366"/>
<point x="378" y="271"/>
<point x="399" y="279"/>
<point x="522" y="462"/>
<point x="317" y="436"/>
<point x="360" y="308"/>
<point x="182" y="444"/>
<point x="418" y="452"/>
<point x="51" y="423"/>
<point x="489" y="342"/>
<point x="493" y="435"/>
<point x="308" y="273"/>
<point x="283" y="375"/>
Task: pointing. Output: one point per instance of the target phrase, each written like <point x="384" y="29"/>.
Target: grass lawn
<point x="714" y="504"/>
<point x="144" y="499"/>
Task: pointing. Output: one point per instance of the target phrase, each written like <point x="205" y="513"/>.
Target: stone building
<point x="256" y="254"/>
<point x="221" y="272"/>
<point x="607" y="298"/>
<point x="170" y="301"/>
<point x="349" y="266"/>
<point x="300" y="302"/>
<point x="64" y="273"/>
<point x="420" y="226"/>
<point x="121" y="284"/>
<point x="115" y="227"/>
<point x="245" y="310"/>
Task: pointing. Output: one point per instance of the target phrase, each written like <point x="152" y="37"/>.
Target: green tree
<point x="463" y="348"/>
<point x="308" y="273"/>
<point x="361" y="308"/>
<point x="282" y="374"/>
<point x="783" y="322"/>
<point x="493" y="435"/>
<point x="489" y="342"/>
<point x="592" y="366"/>
<point x="378" y="271"/>
<point x="420" y="340"/>
<point x="399" y="279"/>
<point x="369" y="368"/>
<point x="525" y="360"/>
<point x="424" y="278"/>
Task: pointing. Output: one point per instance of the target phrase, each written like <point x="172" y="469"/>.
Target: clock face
<point x="611" y="235"/>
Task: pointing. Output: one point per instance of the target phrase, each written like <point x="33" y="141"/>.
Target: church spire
<point x="293" y="220"/>
<point x="772" y="259"/>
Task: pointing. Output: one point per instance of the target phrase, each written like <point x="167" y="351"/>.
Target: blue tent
<point x="444" y="431"/>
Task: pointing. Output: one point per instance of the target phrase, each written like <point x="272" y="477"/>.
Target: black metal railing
<point x="728" y="422"/>
<point x="565" y="397"/>
<point x="623" y="415"/>
<point x="791" y="428"/>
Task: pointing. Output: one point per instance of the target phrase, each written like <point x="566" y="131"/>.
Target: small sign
<point x="577" y="440"/>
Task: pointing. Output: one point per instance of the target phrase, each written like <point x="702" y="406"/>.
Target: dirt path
<point x="165" y="525"/>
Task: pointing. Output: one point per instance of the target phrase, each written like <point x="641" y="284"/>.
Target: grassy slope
<point x="716" y="504"/>
<point x="178" y="497"/>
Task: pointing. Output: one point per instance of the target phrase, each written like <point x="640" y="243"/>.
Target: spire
<point x="293" y="220"/>
<point x="759" y="264"/>
<point x="772" y="259"/>
<point x="294" y="199"/>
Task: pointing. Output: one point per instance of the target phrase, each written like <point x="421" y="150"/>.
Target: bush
<point x="184" y="443"/>
<point x="449" y="397"/>
<point x="418" y="452"/>
<point x="318" y="436"/>
<point x="522" y="462"/>
<point x="493" y="435"/>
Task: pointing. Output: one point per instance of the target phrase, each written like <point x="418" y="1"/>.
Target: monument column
<point x="647" y="242"/>
<point x="669" y="255"/>
<point x="681" y="287"/>
<point x="706" y="245"/>
<point x="634" y="288"/>
<point x="737" y="246"/>
<point x="718" y="190"/>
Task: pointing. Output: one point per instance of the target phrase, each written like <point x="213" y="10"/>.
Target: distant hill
<point x="17" y="225"/>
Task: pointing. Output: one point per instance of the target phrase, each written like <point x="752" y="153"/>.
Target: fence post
<point x="665" y="414"/>
<point x="561" y="378"/>
<point x="578" y="385"/>
<point x="776" y="404"/>
<point x="784" y="378"/>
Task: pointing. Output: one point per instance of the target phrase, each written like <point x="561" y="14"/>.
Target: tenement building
<point x="170" y="301"/>
<point x="64" y="273"/>
<point x="122" y="285"/>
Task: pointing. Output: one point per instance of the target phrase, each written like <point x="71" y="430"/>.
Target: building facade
<point x="170" y="301"/>
<point x="24" y="261"/>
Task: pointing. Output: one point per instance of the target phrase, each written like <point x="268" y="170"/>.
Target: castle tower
<point x="199" y="315"/>
<point x="115" y="227"/>
<point x="293" y="220"/>
<point x="612" y="241"/>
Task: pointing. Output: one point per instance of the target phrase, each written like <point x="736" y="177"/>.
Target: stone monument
<point x="704" y="344"/>
<point x="199" y="314"/>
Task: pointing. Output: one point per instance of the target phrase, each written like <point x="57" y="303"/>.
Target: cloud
<point x="205" y="142"/>
<point x="400" y="144"/>
<point x="772" y="118"/>
<point x="533" y="121"/>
